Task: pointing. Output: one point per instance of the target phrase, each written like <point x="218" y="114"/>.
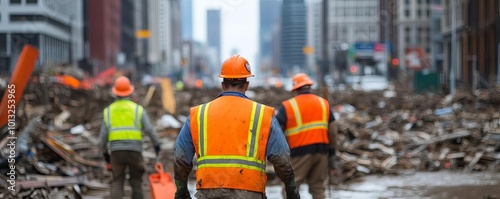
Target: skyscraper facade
<point x="214" y="31"/>
<point x="164" y="43"/>
<point x="104" y="32"/>
<point x="127" y="44"/>
<point x="186" y="19"/>
<point x="293" y="37"/>
<point x="269" y="11"/>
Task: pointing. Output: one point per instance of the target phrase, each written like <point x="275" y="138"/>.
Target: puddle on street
<point x="422" y="185"/>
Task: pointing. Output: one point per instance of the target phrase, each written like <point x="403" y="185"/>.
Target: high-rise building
<point x="214" y="32"/>
<point x="293" y="37"/>
<point x="104" y="33"/>
<point x="126" y="56"/>
<point x="314" y="33"/>
<point x="54" y="27"/>
<point x="269" y="11"/>
<point x="164" y="42"/>
<point x="187" y="19"/>
<point x="141" y="23"/>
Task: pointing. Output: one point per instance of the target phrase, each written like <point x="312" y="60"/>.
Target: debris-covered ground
<point x="383" y="132"/>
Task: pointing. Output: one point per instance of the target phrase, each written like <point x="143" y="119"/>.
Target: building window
<point x="3" y="44"/>
<point x="15" y="1"/>
<point x="407" y="13"/>
<point x="419" y="13"/>
<point x="407" y="2"/>
<point x="31" y="1"/>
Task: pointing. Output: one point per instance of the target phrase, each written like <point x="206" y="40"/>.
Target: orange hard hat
<point x="122" y="87"/>
<point x="235" y="67"/>
<point x="301" y="79"/>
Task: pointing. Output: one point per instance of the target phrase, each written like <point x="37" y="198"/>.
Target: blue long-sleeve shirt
<point x="276" y="146"/>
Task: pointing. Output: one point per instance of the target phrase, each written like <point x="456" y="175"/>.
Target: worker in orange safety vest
<point x="232" y="136"/>
<point x="309" y="127"/>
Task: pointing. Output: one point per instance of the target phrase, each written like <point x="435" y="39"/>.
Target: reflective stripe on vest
<point x="123" y="120"/>
<point x="249" y="161"/>
<point x="307" y="120"/>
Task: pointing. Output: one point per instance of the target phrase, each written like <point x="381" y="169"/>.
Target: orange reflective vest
<point x="230" y="136"/>
<point x="307" y="120"/>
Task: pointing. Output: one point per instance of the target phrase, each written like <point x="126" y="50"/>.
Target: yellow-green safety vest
<point x="123" y="120"/>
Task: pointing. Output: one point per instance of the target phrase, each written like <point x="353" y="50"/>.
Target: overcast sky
<point x="239" y="26"/>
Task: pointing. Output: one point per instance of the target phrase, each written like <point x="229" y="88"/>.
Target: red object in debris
<point x="68" y="80"/>
<point x="14" y="92"/>
<point x="108" y="166"/>
<point x="161" y="183"/>
<point x="447" y="165"/>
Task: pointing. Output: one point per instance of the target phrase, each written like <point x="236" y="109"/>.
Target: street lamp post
<point x="453" y="48"/>
<point x="386" y="39"/>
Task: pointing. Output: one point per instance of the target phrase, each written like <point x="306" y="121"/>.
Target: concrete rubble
<point x="381" y="132"/>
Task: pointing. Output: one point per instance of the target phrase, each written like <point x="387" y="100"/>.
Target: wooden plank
<point x="149" y="95"/>
<point x="167" y="99"/>
<point x="474" y="161"/>
<point x="52" y="181"/>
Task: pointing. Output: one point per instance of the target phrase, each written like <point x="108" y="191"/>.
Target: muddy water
<point x="423" y="185"/>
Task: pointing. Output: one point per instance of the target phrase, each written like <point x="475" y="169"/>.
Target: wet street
<point x="422" y="185"/>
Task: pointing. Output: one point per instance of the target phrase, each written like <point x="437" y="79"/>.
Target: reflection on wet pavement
<point x="422" y="185"/>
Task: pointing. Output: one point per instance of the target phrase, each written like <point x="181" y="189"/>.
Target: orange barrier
<point x="18" y="81"/>
<point x="68" y="80"/>
<point x="162" y="184"/>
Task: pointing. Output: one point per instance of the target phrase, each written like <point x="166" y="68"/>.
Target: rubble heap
<point x="388" y="132"/>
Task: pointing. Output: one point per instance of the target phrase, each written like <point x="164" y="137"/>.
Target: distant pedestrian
<point x="309" y="127"/>
<point x="123" y="124"/>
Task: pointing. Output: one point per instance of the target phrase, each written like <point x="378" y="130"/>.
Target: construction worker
<point x="309" y="128"/>
<point x="123" y="124"/>
<point x="232" y="136"/>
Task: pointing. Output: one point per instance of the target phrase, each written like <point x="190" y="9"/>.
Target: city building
<point x="187" y="19"/>
<point x="164" y="43"/>
<point x="414" y="28"/>
<point x="436" y="55"/>
<point x="269" y="12"/>
<point x="354" y="21"/>
<point x="214" y="32"/>
<point x="477" y="42"/>
<point x="104" y="33"/>
<point x="293" y="37"/>
<point x="54" y="27"/>
<point x="126" y="56"/>
<point x="355" y="26"/>
<point x="314" y="34"/>
<point x="140" y="24"/>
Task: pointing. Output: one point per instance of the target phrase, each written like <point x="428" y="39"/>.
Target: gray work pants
<point x="313" y="170"/>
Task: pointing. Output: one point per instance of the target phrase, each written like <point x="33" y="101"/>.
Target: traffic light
<point x="395" y="62"/>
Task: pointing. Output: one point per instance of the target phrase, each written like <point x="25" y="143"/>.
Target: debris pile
<point x="388" y="132"/>
<point x="404" y="133"/>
